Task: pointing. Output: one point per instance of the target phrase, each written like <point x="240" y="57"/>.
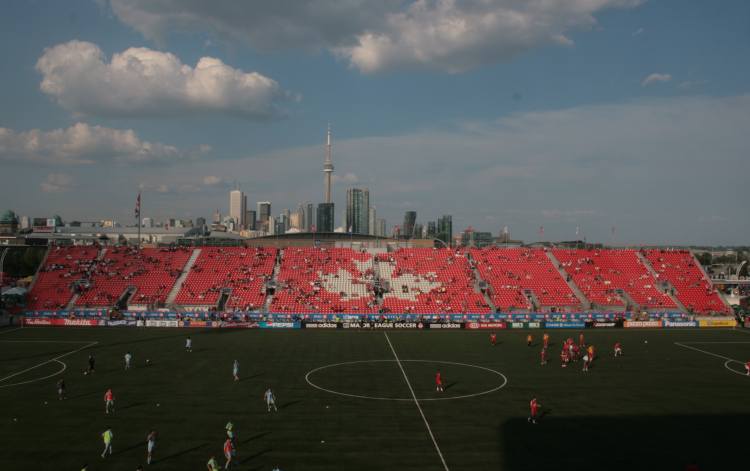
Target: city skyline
<point x="623" y="115"/>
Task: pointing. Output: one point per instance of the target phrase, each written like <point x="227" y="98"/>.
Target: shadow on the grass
<point x="183" y="452"/>
<point x="289" y="404"/>
<point x="247" y="378"/>
<point x="255" y="455"/>
<point x="621" y="442"/>
<point x="254" y="437"/>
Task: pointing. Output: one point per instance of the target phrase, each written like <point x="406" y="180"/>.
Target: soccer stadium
<point x="420" y="235"/>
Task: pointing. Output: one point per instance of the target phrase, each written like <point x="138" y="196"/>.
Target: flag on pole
<point x="138" y="206"/>
<point x="578" y="230"/>
<point x="541" y="231"/>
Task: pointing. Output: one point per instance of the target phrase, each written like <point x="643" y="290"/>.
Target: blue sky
<point x="566" y="114"/>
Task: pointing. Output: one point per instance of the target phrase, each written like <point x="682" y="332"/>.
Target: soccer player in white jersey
<point x="188" y="344"/>
<point x="128" y="360"/>
<point x="236" y="370"/>
<point x="270" y="400"/>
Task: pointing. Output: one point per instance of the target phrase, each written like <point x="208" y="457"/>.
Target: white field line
<point x="698" y="342"/>
<point x="88" y="344"/>
<point x="416" y="402"/>
<point x="707" y="353"/>
<point x="10" y="330"/>
<point x="36" y="380"/>
<point x="726" y="365"/>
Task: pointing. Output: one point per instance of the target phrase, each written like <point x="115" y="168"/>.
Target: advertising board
<point x="642" y="324"/>
<point x="674" y="324"/>
<point x="717" y="323"/>
<point x="565" y="325"/>
<point x="486" y="325"/>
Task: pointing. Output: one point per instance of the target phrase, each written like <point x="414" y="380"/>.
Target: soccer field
<point x="365" y="400"/>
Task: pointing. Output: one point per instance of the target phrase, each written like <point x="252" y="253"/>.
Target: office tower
<point x="264" y="213"/>
<point x="357" y="210"/>
<point x="431" y="229"/>
<point x="445" y="228"/>
<point x="250" y="219"/>
<point x="309" y="217"/>
<point x="237" y="203"/>
<point x="417" y="231"/>
<point x="147" y="222"/>
<point x="325" y="217"/>
<point x="407" y="230"/>
<point x="372" y="222"/>
<point x="217" y="217"/>
<point x="381" y="228"/>
<point x="295" y="221"/>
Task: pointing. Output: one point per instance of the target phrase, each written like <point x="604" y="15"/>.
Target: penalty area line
<point x="416" y="402"/>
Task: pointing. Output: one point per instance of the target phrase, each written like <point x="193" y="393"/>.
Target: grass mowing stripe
<point x="419" y="407"/>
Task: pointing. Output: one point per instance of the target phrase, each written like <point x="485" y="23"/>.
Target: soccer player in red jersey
<point x="747" y="368"/>
<point x="493" y="339"/>
<point x="580" y="339"/>
<point x="438" y="382"/>
<point x="564" y="358"/>
<point x="534" y="410"/>
<point x="109" y="401"/>
<point x="228" y="453"/>
<point x="618" y="349"/>
<point x="529" y="339"/>
<point x="545" y="339"/>
<point x="543" y="354"/>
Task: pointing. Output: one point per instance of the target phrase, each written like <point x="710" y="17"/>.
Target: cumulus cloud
<point x="375" y="36"/>
<point x="144" y="82"/>
<point x="638" y="32"/>
<point x="57" y="183"/>
<point x="85" y="144"/>
<point x="655" y="78"/>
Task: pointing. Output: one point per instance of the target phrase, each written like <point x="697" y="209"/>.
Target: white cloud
<point x="57" y="183"/>
<point x="638" y="32"/>
<point x="212" y="180"/>
<point x="145" y="82"/>
<point x="375" y="36"/>
<point x="655" y="78"/>
<point x="85" y="144"/>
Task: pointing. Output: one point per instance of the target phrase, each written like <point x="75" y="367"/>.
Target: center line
<point x="416" y="401"/>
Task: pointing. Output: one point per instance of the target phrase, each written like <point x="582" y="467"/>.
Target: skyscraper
<point x="357" y="210"/>
<point x="325" y="217"/>
<point x="381" y="228"/>
<point x="250" y="217"/>
<point x="328" y="167"/>
<point x="264" y="212"/>
<point x="237" y="203"/>
<point x="309" y="217"/>
<point x="445" y="228"/>
<point x="372" y="222"/>
<point x="407" y="230"/>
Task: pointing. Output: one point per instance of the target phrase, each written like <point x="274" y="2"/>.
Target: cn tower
<point x="328" y="167"/>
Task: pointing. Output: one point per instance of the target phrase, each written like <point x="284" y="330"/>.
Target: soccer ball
<point x="85" y="373"/>
<point x="645" y="341"/>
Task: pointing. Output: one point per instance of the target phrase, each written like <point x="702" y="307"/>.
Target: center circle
<point x="502" y="379"/>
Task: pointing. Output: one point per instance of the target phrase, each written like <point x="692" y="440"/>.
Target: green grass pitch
<point x="660" y="406"/>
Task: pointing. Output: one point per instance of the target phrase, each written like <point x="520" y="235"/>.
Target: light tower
<point x="328" y="167"/>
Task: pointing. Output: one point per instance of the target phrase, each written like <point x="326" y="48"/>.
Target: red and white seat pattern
<point x="64" y="266"/>
<point x="599" y="273"/>
<point x="510" y="272"/>
<point x="151" y="271"/>
<point x="682" y="270"/>
<point x="325" y="280"/>
<point x="426" y="280"/>
<point x="243" y="270"/>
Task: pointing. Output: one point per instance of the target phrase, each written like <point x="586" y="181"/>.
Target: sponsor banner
<point x="122" y="323"/>
<point x="279" y="325"/>
<point x="382" y="325"/>
<point x="36" y="321"/>
<point x="320" y="325"/>
<point x="565" y="325"/>
<point x="603" y="324"/>
<point x="445" y="325"/>
<point x="156" y="323"/>
<point x="717" y="322"/>
<point x="196" y="324"/>
<point x="237" y="325"/>
<point x="680" y="324"/>
<point x="486" y="325"/>
<point x="642" y="324"/>
<point x="524" y="325"/>
<point x="355" y="325"/>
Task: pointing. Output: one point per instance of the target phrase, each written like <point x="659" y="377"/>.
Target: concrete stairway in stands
<point x="659" y="282"/>
<point x="478" y="279"/>
<point x="585" y="303"/>
<point x="183" y="276"/>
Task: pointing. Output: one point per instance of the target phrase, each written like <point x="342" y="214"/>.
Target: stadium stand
<point x="243" y="270"/>
<point x="513" y="271"/>
<point x="152" y="272"/>
<point x="64" y="266"/>
<point x="692" y="288"/>
<point x="325" y="280"/>
<point x="601" y="273"/>
<point x="424" y="281"/>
